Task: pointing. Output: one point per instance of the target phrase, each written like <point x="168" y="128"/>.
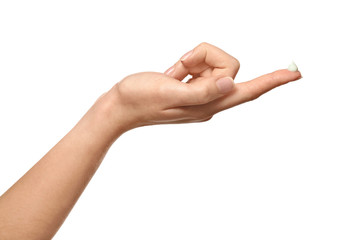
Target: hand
<point x="54" y="184"/>
<point x="155" y="98"/>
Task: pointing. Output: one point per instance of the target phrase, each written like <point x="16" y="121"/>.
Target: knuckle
<point x="203" y="44"/>
<point x="124" y="86"/>
<point x="236" y="63"/>
<point x="121" y="88"/>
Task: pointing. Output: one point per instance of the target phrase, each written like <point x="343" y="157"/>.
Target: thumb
<point x="224" y="85"/>
<point x="206" y="89"/>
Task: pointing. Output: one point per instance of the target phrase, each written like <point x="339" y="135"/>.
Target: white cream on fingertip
<point x="292" y="67"/>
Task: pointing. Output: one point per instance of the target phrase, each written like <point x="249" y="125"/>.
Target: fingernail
<point x="170" y="71"/>
<point x="225" y="84"/>
<point x="292" y="67"/>
<point x="185" y="56"/>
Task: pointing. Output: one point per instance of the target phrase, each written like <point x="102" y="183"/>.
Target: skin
<point x="38" y="203"/>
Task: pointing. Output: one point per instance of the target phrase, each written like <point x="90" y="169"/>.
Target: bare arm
<point x="37" y="205"/>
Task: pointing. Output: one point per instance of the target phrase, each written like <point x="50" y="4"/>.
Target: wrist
<point x="109" y="115"/>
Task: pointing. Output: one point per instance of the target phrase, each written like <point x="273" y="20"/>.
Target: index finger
<point x="251" y="90"/>
<point x="204" y="60"/>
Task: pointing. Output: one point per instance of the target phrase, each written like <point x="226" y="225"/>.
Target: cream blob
<point x="292" y="67"/>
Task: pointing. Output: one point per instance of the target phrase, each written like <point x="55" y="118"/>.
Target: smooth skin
<point x="38" y="203"/>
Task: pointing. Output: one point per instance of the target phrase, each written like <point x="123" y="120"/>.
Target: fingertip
<point x="292" y="67"/>
<point x="284" y="75"/>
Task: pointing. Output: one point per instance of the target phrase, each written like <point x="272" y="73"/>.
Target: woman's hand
<point x="37" y="204"/>
<point x="155" y="98"/>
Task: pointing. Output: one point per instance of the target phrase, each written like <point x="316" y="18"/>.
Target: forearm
<point x="36" y="206"/>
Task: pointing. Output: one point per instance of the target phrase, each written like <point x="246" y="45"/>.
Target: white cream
<point x="292" y="67"/>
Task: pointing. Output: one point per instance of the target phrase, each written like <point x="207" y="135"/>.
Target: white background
<point x="274" y="168"/>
